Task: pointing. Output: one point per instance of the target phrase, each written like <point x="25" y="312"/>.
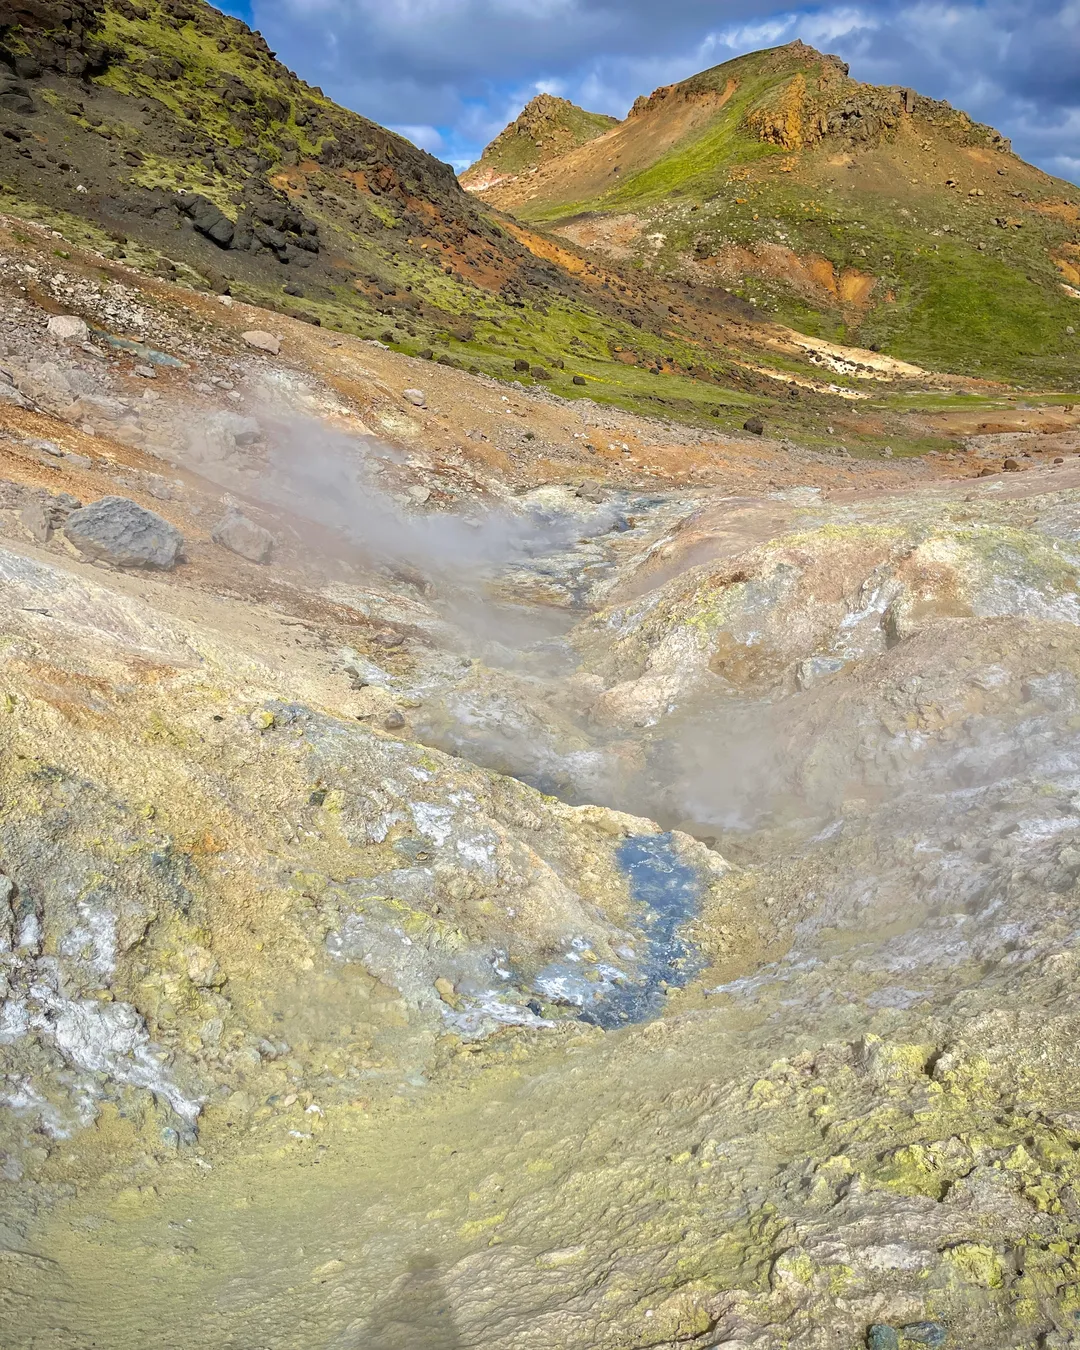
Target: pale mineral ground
<point x="509" y="873"/>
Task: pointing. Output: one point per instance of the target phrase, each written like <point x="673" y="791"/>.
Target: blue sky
<point x="449" y="74"/>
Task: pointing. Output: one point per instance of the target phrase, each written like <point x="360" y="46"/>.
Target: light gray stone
<point x="69" y="328"/>
<point x="265" y="342"/>
<point x="242" y="536"/>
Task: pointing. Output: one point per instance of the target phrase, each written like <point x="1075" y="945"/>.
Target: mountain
<point x="849" y="211"/>
<point x="167" y="136"/>
<point x="546" y="128"/>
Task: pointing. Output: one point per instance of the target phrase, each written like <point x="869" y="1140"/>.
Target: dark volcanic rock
<point x="14" y="95"/>
<point x="207" y="218"/>
<point x="125" y="534"/>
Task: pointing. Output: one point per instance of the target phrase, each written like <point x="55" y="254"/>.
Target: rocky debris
<point x="42" y="515"/>
<point x="264" y="342"/>
<point x="590" y="491"/>
<point x="755" y="426"/>
<point x="394" y="721"/>
<point x="414" y="396"/>
<point x="117" y="530"/>
<point x="242" y="536"/>
<point x="69" y="328"/>
<point x="221" y="435"/>
<point x="1011" y="465"/>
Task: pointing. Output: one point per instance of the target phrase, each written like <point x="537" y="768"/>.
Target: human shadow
<point x="415" y="1313"/>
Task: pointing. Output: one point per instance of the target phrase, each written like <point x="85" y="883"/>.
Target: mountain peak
<point x="547" y="127"/>
<point x="856" y="208"/>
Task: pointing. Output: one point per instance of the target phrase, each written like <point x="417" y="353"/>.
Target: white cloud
<point x="427" y="138"/>
<point x="451" y="73"/>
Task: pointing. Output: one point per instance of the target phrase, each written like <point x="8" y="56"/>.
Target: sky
<point x="450" y="74"/>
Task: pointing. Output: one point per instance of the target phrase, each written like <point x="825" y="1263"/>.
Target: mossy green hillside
<point x="868" y="216"/>
<point x="178" y="102"/>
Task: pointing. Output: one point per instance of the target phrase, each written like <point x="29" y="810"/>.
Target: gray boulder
<point x="69" y="328"/>
<point x="242" y="536"/>
<point x="125" y="534"/>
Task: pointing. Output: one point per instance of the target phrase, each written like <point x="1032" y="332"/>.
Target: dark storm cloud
<point x="451" y="73"/>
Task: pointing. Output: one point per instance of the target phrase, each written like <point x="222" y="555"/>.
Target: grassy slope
<point x="420" y="264"/>
<point x="999" y="310"/>
<point x="416" y="263"/>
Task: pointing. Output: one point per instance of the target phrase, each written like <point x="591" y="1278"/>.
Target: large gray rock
<point x="240" y="535"/>
<point x="69" y="328"/>
<point x="125" y="534"/>
<point x="265" y="342"/>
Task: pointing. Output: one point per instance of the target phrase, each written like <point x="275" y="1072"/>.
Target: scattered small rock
<point x="521" y="365"/>
<point x="881" y="1337"/>
<point x="147" y="372"/>
<point x="69" y="328"/>
<point x="419" y="493"/>
<point x="446" y="991"/>
<point x="755" y="426"/>
<point x="578" y="379"/>
<point x="394" y="721"/>
<point x="388" y="639"/>
<point x="590" y="491"/>
<point x="261" y="719"/>
<point x="1011" y="465"/>
<point x="414" y="396"/>
<point x="265" y="342"/>
<point x="121" y="532"/>
<point x="925" y="1333"/>
<point x="243" y="537"/>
